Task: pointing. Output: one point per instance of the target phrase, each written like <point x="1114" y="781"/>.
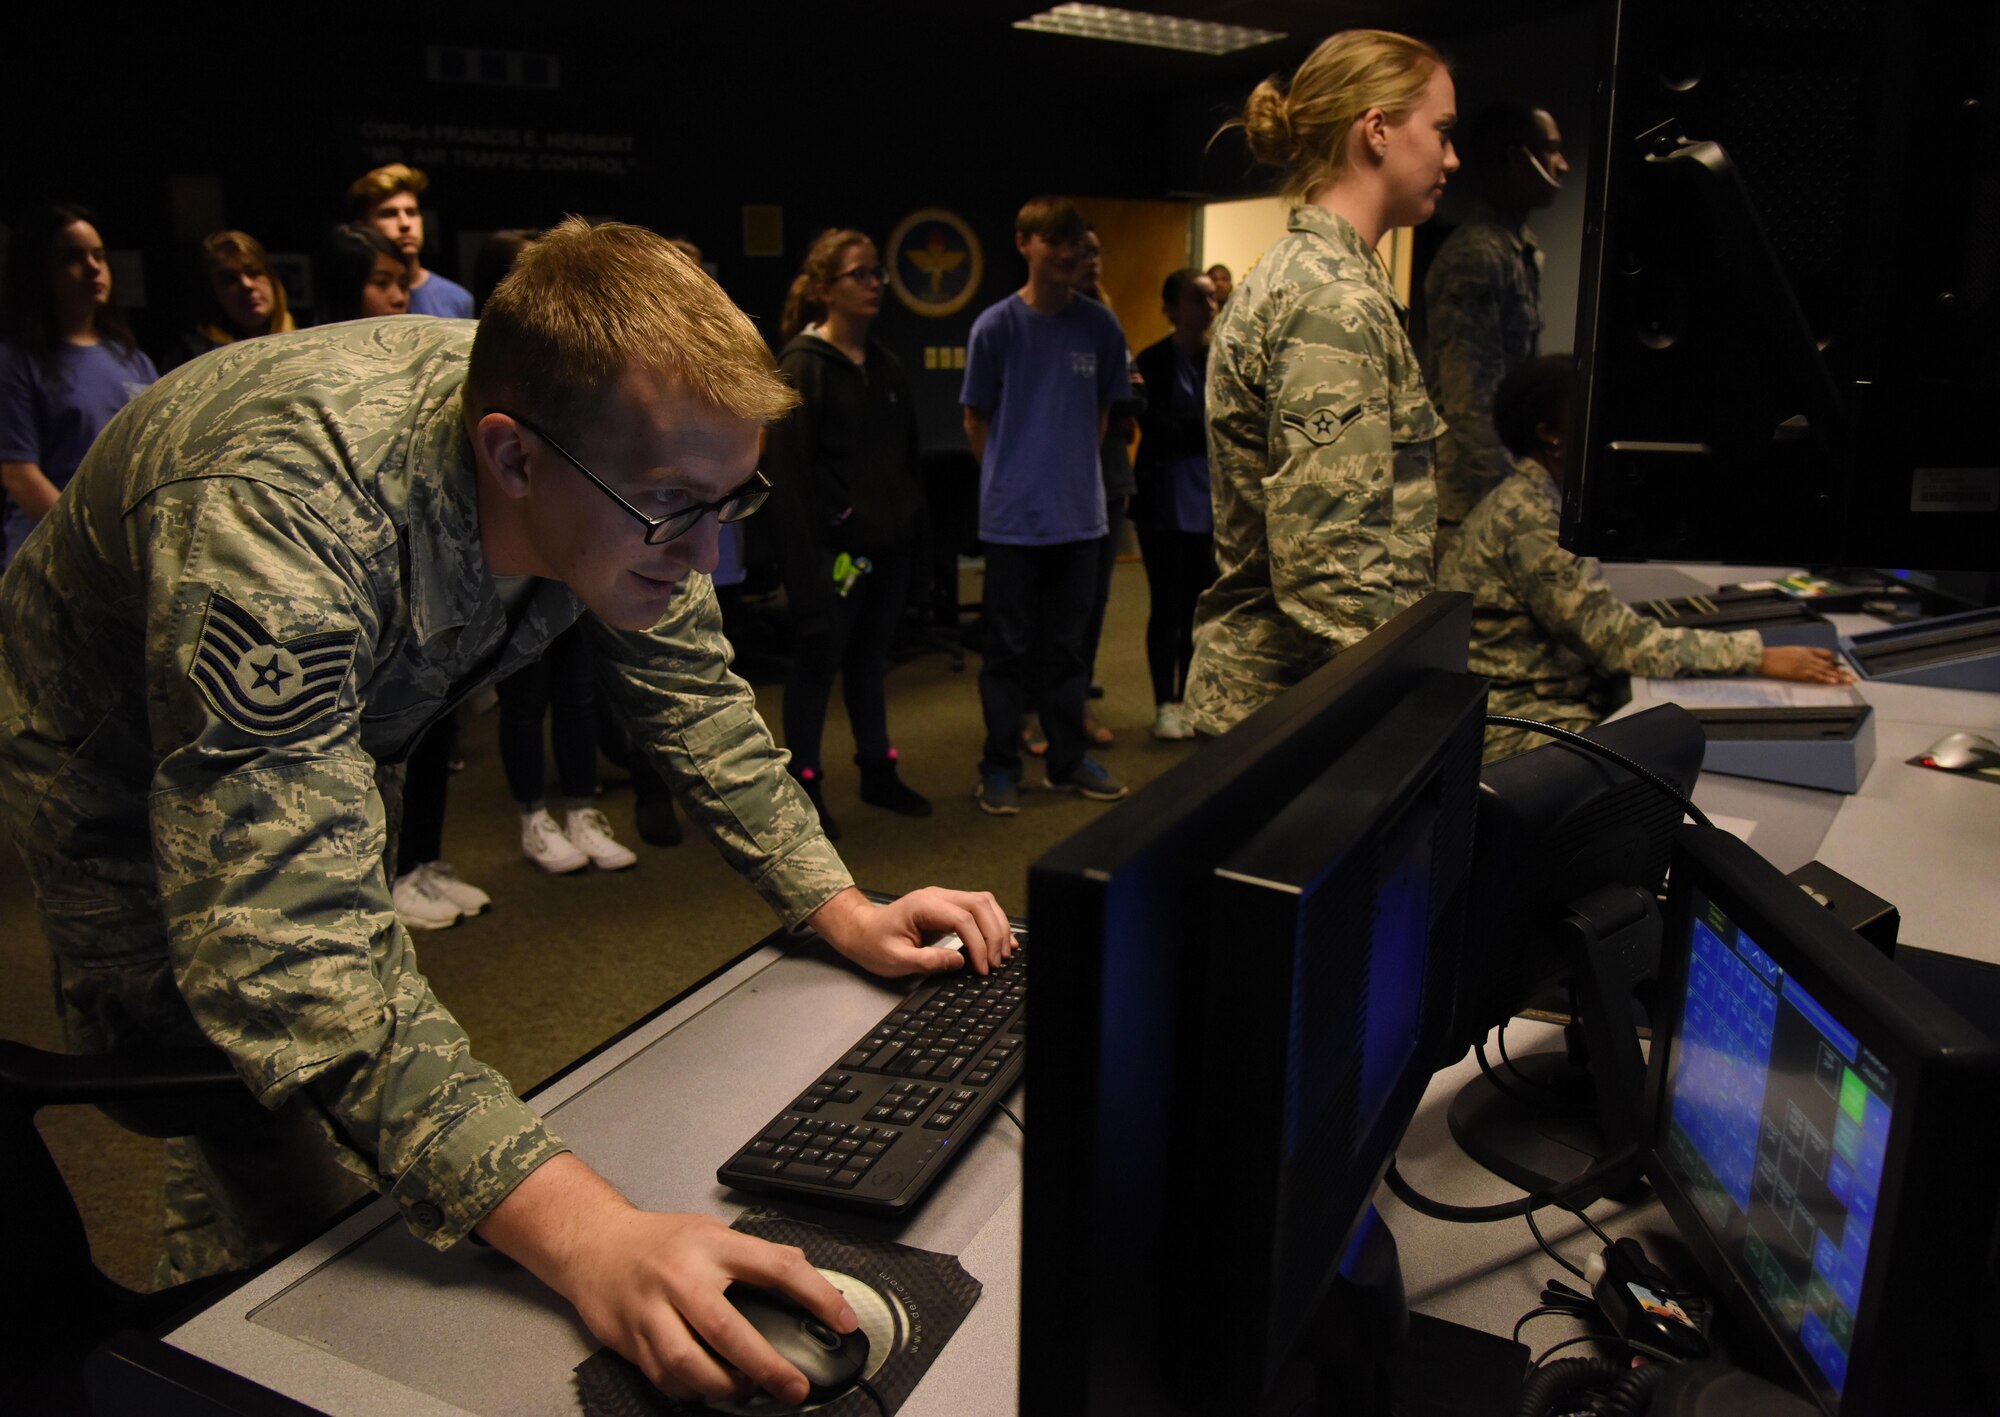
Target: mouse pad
<point x="910" y="1302"/>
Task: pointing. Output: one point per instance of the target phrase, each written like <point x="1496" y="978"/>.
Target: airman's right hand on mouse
<point x="1805" y="663"/>
<point x="646" y="1283"/>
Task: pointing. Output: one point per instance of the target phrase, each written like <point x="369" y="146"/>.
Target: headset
<point x="1540" y="171"/>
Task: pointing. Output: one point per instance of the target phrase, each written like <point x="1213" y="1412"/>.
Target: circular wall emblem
<point x="935" y="263"/>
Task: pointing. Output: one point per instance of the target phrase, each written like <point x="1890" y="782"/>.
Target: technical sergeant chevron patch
<point x="260" y="684"/>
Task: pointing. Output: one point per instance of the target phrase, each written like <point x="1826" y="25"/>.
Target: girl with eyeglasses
<point x="846" y="500"/>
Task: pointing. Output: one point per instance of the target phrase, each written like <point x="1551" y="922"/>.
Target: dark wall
<point x="854" y="115"/>
<point x="849" y="115"/>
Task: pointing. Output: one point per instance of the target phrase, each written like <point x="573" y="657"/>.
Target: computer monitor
<point x="1339" y="926"/>
<point x="1159" y="1126"/>
<point x="1821" y="1132"/>
<point x="1558" y="826"/>
<point x="1761" y="383"/>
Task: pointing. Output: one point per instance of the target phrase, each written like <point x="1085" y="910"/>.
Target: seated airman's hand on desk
<point x="647" y="1283"/>
<point x="1804" y="663"/>
<point x="898" y="938"/>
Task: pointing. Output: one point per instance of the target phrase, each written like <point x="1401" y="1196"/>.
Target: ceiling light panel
<point x="1138" y="27"/>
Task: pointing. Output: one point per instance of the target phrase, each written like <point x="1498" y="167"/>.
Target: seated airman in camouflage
<point x="1320" y="434"/>
<point x="1546" y="627"/>
<point x="273" y="571"/>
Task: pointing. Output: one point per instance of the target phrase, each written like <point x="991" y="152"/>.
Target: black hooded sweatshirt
<point x="843" y="467"/>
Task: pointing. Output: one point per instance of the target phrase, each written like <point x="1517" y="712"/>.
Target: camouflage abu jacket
<point x="1547" y="629"/>
<point x="264" y="583"/>
<point x="1320" y="447"/>
<point x="1482" y="302"/>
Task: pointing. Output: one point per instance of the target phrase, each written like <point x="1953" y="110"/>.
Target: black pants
<point x="420" y="835"/>
<point x="855" y="647"/>
<point x="562" y="686"/>
<point x="1037" y="601"/>
<point x="1107" y="552"/>
<point x="1180" y="565"/>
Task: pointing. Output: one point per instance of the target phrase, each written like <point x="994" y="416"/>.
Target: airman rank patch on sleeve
<point x="1322" y="426"/>
<point x="260" y="684"/>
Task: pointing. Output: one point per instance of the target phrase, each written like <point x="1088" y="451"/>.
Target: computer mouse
<point x="1963" y="752"/>
<point x="831" y="1361"/>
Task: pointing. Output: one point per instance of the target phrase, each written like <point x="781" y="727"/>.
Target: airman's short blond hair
<point x="372" y="189"/>
<point x="584" y="303"/>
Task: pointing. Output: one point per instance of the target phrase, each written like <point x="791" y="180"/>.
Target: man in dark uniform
<point x="1483" y="299"/>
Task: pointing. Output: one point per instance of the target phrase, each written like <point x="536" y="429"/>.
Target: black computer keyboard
<point x="882" y="1123"/>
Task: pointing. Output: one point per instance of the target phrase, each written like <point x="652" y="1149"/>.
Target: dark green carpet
<point x="560" y="964"/>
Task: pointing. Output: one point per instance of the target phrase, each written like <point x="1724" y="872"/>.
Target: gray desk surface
<point x="367" y="1319"/>
<point x="1922" y="840"/>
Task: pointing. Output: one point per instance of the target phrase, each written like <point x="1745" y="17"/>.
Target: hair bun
<point x="1267" y="123"/>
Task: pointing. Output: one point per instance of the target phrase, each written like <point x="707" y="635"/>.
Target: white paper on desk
<point x="1748" y="693"/>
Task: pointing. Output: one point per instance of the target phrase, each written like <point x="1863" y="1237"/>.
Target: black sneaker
<point x="882" y="787"/>
<point x="658" y="824"/>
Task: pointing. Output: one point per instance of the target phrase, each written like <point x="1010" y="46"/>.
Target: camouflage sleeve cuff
<point x="1746" y="651"/>
<point x="804" y="877"/>
<point x="471" y="1166"/>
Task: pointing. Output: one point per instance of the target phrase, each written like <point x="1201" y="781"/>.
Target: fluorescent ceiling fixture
<point x="1138" y="27"/>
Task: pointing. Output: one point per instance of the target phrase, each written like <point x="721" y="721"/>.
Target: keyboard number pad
<point x="946" y="1042"/>
<point x="802" y="1149"/>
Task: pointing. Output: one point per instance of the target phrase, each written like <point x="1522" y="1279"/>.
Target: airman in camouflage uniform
<point x="272" y="573"/>
<point x="265" y="583"/>
<point x="1320" y="444"/>
<point x="1482" y="298"/>
<point x="213" y="657"/>
<point x="1546" y="628"/>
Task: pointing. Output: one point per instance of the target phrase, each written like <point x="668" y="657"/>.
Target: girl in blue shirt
<point x="67" y="362"/>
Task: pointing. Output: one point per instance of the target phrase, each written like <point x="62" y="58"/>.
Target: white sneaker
<point x="420" y="905"/>
<point x="543" y="843"/>
<point x="590" y="833"/>
<point x="468" y="898"/>
<point x="1168" y="724"/>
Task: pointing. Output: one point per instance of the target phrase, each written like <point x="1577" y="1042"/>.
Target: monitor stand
<point x="1367" y="1355"/>
<point x="1579" y="1107"/>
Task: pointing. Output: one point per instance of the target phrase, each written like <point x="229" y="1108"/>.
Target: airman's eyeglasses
<point x="732" y="506"/>
<point x="865" y="275"/>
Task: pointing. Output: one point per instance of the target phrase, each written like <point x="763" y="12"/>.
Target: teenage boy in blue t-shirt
<point x="386" y="198"/>
<point x="1041" y="372"/>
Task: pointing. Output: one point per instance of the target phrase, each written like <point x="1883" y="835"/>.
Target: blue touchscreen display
<point x="1778" y="1122"/>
